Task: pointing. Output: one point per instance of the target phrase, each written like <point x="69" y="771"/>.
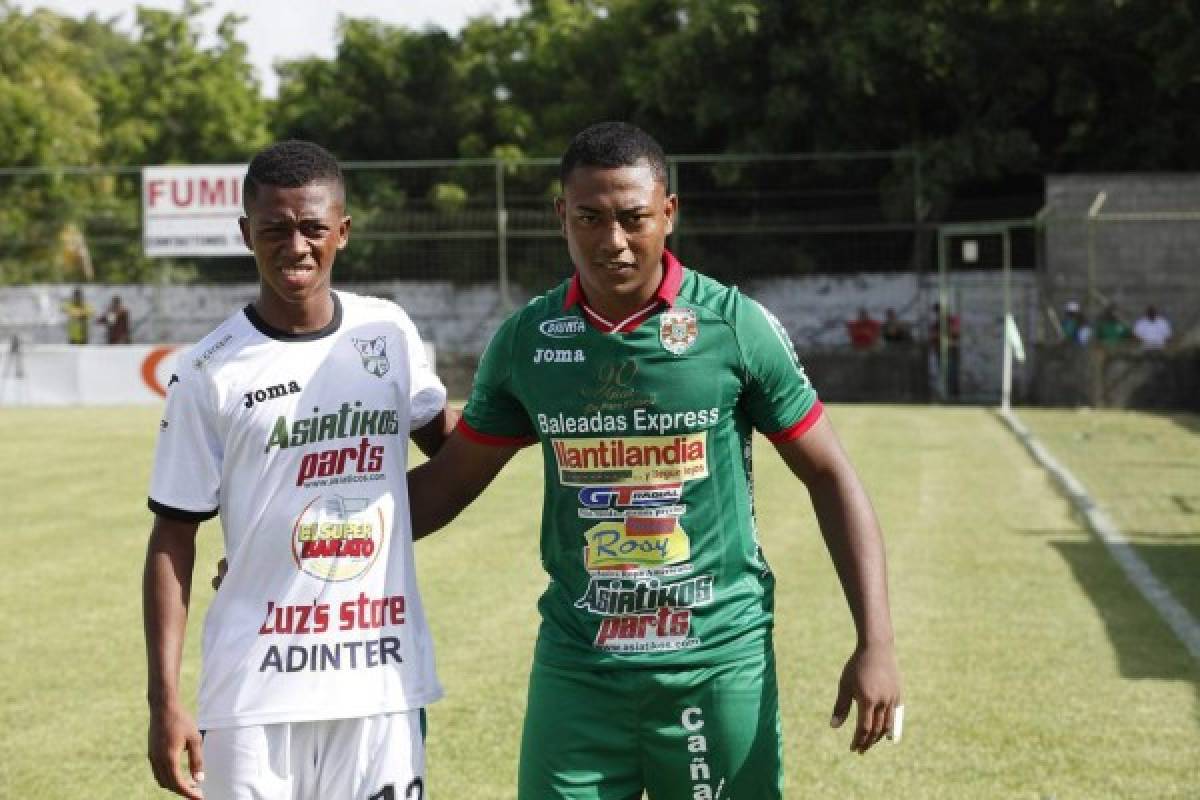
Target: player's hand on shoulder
<point x="172" y="731"/>
<point x="871" y="681"/>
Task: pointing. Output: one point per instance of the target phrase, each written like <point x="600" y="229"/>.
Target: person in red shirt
<point x="864" y="331"/>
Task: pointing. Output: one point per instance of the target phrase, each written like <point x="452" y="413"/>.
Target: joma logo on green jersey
<point x="344" y="422"/>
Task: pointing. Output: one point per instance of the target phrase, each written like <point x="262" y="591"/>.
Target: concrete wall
<point x="459" y="321"/>
<point x="1134" y="263"/>
<point x="1118" y="377"/>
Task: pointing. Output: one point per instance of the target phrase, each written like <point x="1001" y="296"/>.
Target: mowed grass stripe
<point x="1015" y="684"/>
<point x="1032" y="668"/>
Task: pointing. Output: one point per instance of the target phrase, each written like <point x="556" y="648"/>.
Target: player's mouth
<point x="617" y="267"/>
<point x="297" y="274"/>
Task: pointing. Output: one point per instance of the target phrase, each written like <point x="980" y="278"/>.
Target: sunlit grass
<point x="1032" y="668"/>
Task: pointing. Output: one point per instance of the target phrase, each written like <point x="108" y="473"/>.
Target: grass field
<point x="1032" y="668"/>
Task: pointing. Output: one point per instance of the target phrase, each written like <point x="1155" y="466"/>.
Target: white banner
<point x="192" y="210"/>
<point x="94" y="375"/>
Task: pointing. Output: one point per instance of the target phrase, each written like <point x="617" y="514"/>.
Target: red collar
<point x="666" y="294"/>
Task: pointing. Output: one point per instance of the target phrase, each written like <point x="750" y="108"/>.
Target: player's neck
<point x="615" y="306"/>
<point x="308" y="316"/>
<point x="619" y="308"/>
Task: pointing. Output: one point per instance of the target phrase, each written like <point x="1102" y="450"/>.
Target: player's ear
<point x="244" y="226"/>
<point x="670" y="207"/>
<point x="560" y="209"/>
<point x="344" y="232"/>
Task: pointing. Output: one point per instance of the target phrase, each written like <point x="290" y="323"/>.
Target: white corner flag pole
<point x="1013" y="348"/>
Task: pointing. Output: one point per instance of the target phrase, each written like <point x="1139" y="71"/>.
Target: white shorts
<point x="368" y="758"/>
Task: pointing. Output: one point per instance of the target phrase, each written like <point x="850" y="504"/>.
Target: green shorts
<point x="677" y="734"/>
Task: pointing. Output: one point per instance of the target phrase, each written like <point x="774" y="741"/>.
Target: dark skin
<point x="295" y="234"/>
<point x="616" y="222"/>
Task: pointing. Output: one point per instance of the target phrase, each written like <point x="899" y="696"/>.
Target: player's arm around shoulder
<point x="166" y="593"/>
<point x="871" y="677"/>
<point x="451" y="479"/>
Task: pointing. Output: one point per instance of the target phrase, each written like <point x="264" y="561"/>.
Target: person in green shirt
<point x="643" y="382"/>
<point x="1110" y="330"/>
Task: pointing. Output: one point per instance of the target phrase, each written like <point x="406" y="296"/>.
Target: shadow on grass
<point x="1145" y="646"/>
<point x="1189" y="422"/>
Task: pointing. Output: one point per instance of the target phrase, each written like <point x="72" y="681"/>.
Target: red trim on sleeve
<point x="800" y="428"/>
<point x="493" y="441"/>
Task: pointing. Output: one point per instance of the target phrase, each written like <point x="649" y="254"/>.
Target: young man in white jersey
<point x="317" y="661"/>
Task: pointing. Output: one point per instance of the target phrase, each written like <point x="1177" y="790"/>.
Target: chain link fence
<point x="485" y="220"/>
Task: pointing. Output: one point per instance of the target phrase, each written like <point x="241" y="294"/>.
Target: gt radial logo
<point x="562" y="328"/>
<point x="599" y="498"/>
<point x="337" y="538"/>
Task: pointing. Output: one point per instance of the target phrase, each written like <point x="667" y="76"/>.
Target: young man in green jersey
<point x="643" y="381"/>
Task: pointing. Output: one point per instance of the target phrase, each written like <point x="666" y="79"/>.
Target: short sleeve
<point x="186" y="480"/>
<point x="778" y="395"/>
<point x="494" y="414"/>
<point x="427" y="394"/>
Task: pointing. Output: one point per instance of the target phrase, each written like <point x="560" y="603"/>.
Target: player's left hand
<point x="222" y="568"/>
<point x="871" y="680"/>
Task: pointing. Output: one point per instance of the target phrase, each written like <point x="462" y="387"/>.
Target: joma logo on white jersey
<point x="270" y="393"/>
<point x="546" y="355"/>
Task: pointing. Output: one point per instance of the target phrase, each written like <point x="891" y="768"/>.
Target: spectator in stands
<point x="953" y="333"/>
<point x="1152" y="330"/>
<point x="864" y="331"/>
<point x="1074" y="325"/>
<point x="1110" y="328"/>
<point x="115" y="320"/>
<point x="79" y="315"/>
<point x="895" y="330"/>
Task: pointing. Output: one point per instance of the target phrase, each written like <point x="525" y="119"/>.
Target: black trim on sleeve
<point x="266" y="329"/>
<point x="178" y="513"/>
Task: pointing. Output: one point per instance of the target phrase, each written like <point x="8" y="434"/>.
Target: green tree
<point x="49" y="119"/>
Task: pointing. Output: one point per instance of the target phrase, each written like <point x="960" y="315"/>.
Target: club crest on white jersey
<point x="374" y="355"/>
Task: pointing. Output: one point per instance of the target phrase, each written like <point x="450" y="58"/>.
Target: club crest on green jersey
<point x="678" y="330"/>
<point x="374" y="355"/>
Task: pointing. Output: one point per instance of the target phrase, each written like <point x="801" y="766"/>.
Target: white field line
<point x="1181" y="622"/>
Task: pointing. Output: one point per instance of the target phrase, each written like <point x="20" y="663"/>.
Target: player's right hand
<point x="171" y="731"/>
<point x="222" y="568"/>
<point x="871" y="681"/>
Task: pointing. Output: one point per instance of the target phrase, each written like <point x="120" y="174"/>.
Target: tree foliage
<point x="986" y="93"/>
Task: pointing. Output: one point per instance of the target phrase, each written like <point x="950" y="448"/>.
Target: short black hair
<point x="291" y="164"/>
<point x="612" y="145"/>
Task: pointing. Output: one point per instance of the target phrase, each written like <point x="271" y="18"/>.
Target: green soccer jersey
<point x="648" y="530"/>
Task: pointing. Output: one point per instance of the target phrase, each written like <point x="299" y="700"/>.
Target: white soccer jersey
<point x="301" y="443"/>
